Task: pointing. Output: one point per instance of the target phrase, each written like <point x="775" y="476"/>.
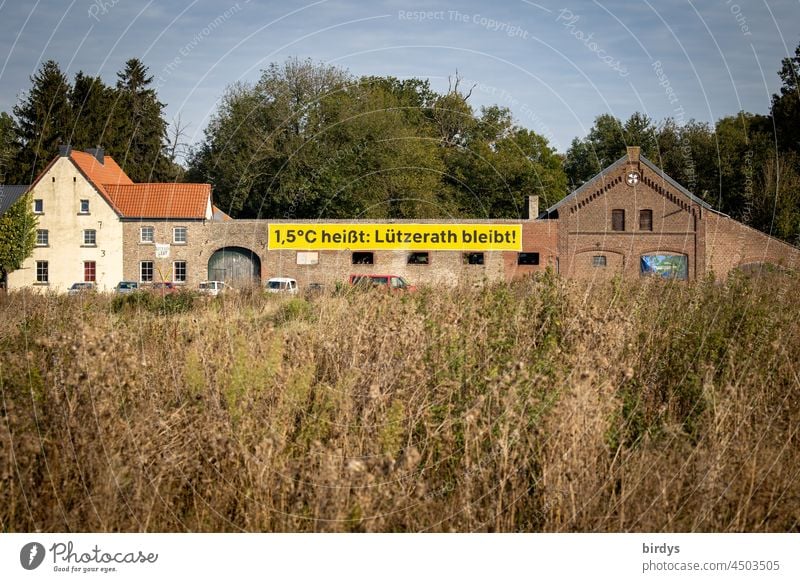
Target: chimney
<point x="64" y="150"/>
<point x="633" y="153"/>
<point x="97" y="153"/>
<point x="533" y="207"/>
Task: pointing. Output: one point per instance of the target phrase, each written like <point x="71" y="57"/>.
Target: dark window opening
<point x="42" y="272"/>
<point x="419" y="259"/>
<point x="528" y="259"/>
<point x="89" y="271"/>
<point x="473" y="258"/>
<point x="363" y="258"/>
<point x="645" y="220"/>
<point x="599" y="261"/>
<point x="618" y="220"/>
<point x="146" y="271"/>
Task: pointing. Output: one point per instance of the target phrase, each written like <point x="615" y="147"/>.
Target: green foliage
<point x="140" y="127"/>
<point x="17" y="234"/>
<point x="44" y="120"/>
<point x="126" y="120"/>
<point x="309" y="141"/>
<point x="733" y="165"/>
<point x="786" y="105"/>
<point x="143" y="300"/>
<point x="292" y="310"/>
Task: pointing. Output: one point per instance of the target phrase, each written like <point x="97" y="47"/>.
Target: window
<point x="528" y="259"/>
<point x="146" y="234"/>
<point x="42" y="238"/>
<point x="599" y="261"/>
<point x="667" y="266"/>
<point x="307" y="257"/>
<point x="645" y="220"/>
<point x="89" y="238"/>
<point x="179" y="235"/>
<point x="84" y="207"/>
<point x="363" y="258"/>
<point x="618" y="220"/>
<point x="38" y="206"/>
<point x="179" y="271"/>
<point x="473" y="258"/>
<point x="419" y="259"/>
<point x="146" y="271"/>
<point x="42" y="272"/>
<point x="89" y="271"/>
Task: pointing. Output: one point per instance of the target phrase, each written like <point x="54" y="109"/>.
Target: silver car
<point x="126" y="287"/>
<point x="78" y="288"/>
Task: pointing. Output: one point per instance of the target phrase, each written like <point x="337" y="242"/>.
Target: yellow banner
<point x="390" y="237"/>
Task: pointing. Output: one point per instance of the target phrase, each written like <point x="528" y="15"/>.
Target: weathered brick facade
<point x="658" y="217"/>
<point x="616" y="223"/>
<point x="577" y="238"/>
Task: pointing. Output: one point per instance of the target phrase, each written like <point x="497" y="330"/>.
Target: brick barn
<point x="95" y="224"/>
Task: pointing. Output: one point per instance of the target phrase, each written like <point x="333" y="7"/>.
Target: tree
<point x="606" y="143"/>
<point x="44" y="121"/>
<point x="309" y="140"/>
<point x="8" y="149"/>
<point x="17" y="235"/>
<point x="786" y="106"/>
<point x="93" y="111"/>
<point x="140" y="130"/>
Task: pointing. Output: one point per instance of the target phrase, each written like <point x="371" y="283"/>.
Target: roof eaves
<point x="663" y="175"/>
<point x="585" y="186"/>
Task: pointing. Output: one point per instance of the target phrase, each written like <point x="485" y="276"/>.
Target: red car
<point x="164" y="288"/>
<point x="389" y="282"/>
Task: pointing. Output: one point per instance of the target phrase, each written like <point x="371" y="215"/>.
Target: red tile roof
<point x="171" y="200"/>
<point x="106" y="173"/>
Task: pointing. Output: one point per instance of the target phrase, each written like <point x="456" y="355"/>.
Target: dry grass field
<point x="539" y="406"/>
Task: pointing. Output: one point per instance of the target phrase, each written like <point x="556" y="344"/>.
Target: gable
<point x="614" y="175"/>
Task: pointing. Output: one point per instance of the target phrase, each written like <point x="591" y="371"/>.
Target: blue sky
<point x="556" y="65"/>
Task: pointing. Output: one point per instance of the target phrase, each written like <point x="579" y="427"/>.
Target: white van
<point x="282" y="285"/>
<point x="213" y="288"/>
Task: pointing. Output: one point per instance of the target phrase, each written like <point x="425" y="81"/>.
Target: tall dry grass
<point x="538" y="406"/>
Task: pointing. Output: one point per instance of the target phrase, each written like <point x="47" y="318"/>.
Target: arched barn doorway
<point x="234" y="264"/>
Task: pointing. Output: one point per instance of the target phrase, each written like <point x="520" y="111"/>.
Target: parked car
<point x="83" y="287"/>
<point x="388" y="282"/>
<point x="126" y="287"/>
<point x="282" y="285"/>
<point x="214" y="288"/>
<point x="163" y="288"/>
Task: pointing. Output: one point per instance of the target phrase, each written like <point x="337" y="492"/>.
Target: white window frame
<point x="185" y="232"/>
<point x="152" y="232"/>
<point x="46" y="237"/>
<point x="94" y="236"/>
<point x="81" y="210"/>
<point x="40" y="203"/>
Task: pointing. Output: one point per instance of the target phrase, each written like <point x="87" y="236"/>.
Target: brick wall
<point x="730" y="244"/>
<point x="205" y="238"/>
<point x="586" y="225"/>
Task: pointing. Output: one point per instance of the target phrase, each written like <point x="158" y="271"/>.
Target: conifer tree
<point x="141" y="131"/>
<point x="44" y="121"/>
